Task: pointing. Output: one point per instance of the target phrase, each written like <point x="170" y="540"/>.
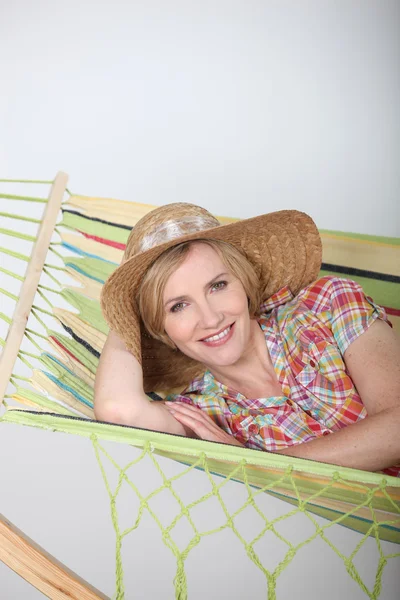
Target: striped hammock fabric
<point x="87" y="243"/>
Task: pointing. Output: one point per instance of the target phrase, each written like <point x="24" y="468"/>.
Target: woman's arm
<point x="373" y="362"/>
<point x="119" y="396"/>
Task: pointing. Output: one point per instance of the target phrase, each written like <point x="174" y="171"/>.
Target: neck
<point x="254" y="368"/>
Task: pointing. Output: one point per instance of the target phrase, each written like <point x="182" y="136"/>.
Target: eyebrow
<point x="207" y="285"/>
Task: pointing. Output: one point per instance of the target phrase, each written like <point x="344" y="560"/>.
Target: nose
<point x="209" y="316"/>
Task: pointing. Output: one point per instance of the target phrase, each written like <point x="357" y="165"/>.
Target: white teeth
<point x="219" y="336"/>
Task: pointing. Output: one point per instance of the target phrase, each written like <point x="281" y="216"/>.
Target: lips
<point x="218" y="337"/>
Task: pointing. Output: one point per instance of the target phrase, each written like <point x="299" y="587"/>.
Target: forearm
<point x="371" y="444"/>
<point x="139" y="412"/>
<point x="119" y="396"/>
<point x="116" y="403"/>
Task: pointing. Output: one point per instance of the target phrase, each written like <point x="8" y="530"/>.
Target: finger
<point x="182" y="406"/>
<point x="194" y="411"/>
<point x="200" y="428"/>
<point x="169" y="404"/>
<point x="195" y="414"/>
<point x="204" y="432"/>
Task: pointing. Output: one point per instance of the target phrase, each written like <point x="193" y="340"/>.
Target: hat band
<point x="173" y="229"/>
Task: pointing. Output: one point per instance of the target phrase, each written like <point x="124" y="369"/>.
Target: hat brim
<point x="284" y="247"/>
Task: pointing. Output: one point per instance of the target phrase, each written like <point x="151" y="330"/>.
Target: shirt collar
<point x="281" y="297"/>
<point x="205" y="383"/>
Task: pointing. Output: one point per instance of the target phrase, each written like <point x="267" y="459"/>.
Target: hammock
<point x="53" y="332"/>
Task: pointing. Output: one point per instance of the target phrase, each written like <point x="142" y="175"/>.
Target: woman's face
<point x="206" y="309"/>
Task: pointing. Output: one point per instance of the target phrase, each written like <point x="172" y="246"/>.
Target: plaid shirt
<point x="306" y="337"/>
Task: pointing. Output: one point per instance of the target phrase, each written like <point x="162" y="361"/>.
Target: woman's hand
<point x="200" y="423"/>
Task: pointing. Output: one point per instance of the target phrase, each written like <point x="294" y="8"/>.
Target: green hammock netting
<point x="52" y="388"/>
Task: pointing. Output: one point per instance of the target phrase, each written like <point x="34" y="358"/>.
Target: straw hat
<point x="284" y="248"/>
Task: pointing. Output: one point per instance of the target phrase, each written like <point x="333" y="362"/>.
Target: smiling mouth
<point x="218" y="336"/>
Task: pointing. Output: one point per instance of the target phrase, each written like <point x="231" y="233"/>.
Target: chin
<point x="225" y="360"/>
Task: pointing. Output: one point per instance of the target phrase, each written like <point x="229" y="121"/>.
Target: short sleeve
<point x="344" y="307"/>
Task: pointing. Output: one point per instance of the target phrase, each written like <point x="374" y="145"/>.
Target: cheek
<point x="235" y="304"/>
<point x="177" y="328"/>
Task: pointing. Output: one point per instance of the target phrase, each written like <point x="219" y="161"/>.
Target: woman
<point x="309" y="366"/>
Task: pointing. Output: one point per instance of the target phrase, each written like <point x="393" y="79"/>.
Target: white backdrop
<point x="240" y="105"/>
<point x="243" y="107"/>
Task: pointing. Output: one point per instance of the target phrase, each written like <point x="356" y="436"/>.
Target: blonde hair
<point x="151" y="291"/>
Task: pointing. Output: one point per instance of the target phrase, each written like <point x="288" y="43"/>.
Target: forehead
<point x="202" y="251"/>
<point x="201" y="261"/>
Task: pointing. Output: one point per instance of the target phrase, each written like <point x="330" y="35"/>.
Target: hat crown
<point x="167" y="223"/>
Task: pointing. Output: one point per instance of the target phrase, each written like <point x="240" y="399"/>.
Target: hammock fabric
<point x="88" y="243"/>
